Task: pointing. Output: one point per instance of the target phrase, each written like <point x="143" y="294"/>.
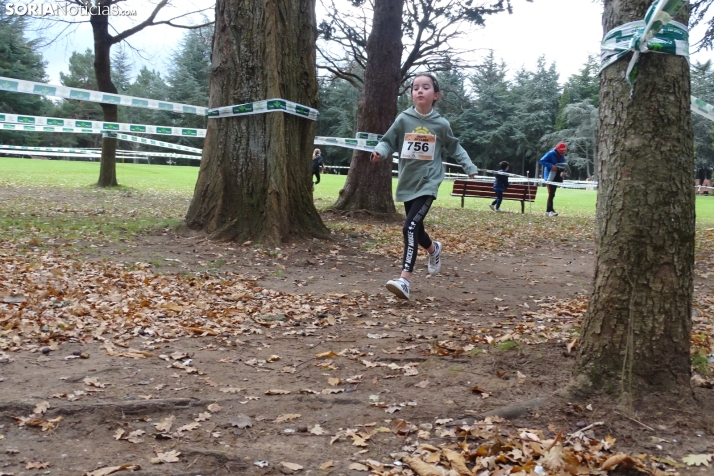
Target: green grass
<point x="508" y="345"/>
<point x="66" y="174"/>
<point x="180" y="181"/>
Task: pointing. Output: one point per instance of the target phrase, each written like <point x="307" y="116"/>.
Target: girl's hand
<point x="375" y="157"/>
<point x="472" y="176"/>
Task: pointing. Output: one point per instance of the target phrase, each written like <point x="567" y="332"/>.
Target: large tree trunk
<point x="103" y="72"/>
<point x="636" y="335"/>
<point x="369" y="185"/>
<point x="254" y="181"/>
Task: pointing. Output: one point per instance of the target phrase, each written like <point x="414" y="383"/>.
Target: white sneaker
<point x="399" y="287"/>
<point x="498" y="210"/>
<point x="434" y="265"/>
<point x="492" y="207"/>
<point x="554" y="213"/>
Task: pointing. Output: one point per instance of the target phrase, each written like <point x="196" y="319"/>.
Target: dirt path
<point x="363" y="378"/>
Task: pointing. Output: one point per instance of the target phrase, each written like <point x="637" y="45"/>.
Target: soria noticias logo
<point x="63" y="9"/>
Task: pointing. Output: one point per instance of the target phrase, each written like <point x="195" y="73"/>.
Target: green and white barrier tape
<point x="702" y="108"/>
<point x="100" y="126"/>
<point x="144" y="140"/>
<point x="359" y="144"/>
<point x="56" y="90"/>
<point x="260" y="107"/>
<point x="368" y="136"/>
<point x="657" y="33"/>
<point x="97" y="151"/>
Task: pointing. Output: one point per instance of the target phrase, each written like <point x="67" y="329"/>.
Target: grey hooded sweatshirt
<point x="422" y="177"/>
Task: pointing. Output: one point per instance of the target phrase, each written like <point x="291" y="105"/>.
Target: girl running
<point x="419" y="134"/>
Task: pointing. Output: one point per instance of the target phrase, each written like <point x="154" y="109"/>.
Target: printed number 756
<point x="418" y="146"/>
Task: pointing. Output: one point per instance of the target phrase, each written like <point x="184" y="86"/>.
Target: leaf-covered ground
<point x="130" y="343"/>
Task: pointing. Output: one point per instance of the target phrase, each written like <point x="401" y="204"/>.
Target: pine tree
<point x="189" y="76"/>
<point x="586" y="84"/>
<point x="19" y="60"/>
<point x="486" y="126"/>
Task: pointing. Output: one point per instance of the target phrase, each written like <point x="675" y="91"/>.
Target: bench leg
<point x="462" y="202"/>
<point x="523" y="206"/>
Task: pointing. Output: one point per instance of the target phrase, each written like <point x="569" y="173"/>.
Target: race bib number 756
<point x="418" y="146"/>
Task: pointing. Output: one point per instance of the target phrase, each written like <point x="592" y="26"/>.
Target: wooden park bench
<point x="521" y="192"/>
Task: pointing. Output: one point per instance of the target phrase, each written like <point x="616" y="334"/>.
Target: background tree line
<point x="184" y="81"/>
<point x="497" y="117"/>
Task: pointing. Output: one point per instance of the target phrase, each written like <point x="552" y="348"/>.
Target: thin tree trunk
<point x="636" y="334"/>
<point x="254" y="181"/>
<point x="103" y="72"/>
<point x="369" y="185"/>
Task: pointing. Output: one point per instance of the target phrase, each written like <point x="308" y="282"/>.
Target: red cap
<point x="561" y="146"/>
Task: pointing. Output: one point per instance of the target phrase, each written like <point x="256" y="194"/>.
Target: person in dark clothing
<point x="553" y="163"/>
<point x="318" y="165"/>
<point x="500" y="186"/>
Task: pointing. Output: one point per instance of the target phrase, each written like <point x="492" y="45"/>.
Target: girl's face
<point x="423" y="93"/>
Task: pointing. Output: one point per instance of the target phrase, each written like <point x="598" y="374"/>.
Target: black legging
<point x="551" y="196"/>
<point x="316" y="174"/>
<point x="414" y="230"/>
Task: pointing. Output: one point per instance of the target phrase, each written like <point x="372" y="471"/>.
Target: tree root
<point x="128" y="408"/>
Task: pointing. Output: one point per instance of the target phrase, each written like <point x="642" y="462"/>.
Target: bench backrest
<point x="515" y="191"/>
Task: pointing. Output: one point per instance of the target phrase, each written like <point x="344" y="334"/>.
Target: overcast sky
<point x="565" y="31"/>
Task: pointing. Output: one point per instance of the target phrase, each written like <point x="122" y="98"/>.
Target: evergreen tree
<point x="121" y="69"/>
<point x="19" y="60"/>
<point x="535" y="95"/>
<point x="338" y="111"/>
<point x="80" y="75"/>
<point x="586" y="84"/>
<point x="486" y="127"/>
<point x="561" y="121"/>
<point x="579" y="132"/>
<point x="188" y="78"/>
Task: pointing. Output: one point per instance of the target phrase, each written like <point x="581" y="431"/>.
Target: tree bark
<point x="103" y="72"/>
<point x="254" y="181"/>
<point x="636" y="334"/>
<point x="369" y="185"/>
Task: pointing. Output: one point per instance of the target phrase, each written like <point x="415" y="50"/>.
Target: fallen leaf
<point x="572" y="344"/>
<point x="291" y="466"/>
<point x="361" y="467"/>
<point x="421" y="468"/>
<point x="273" y="358"/>
<point x="113" y="469"/>
<point x="242" y="421"/>
<point x="521" y="377"/>
<point x="93" y="382"/>
<point x="393" y="409"/>
<point x="422" y="384"/>
<point x="287" y="417"/>
<point x="327" y="464"/>
<point x="188" y="427"/>
<point x="697" y="460"/>
<point x="214" y="408"/>
<point x="317" y="430"/>
<point x="37" y="465"/>
<point x="457" y="461"/>
<point x="118" y="434"/>
<point x="230" y="390"/>
<point x="168" y="457"/>
<point x="277" y="392"/>
<point x="203" y="417"/>
<point x="333" y="381"/>
<point x="165" y="425"/>
<point x="136" y="436"/>
<point x="41" y="408"/>
<point x="325" y="355"/>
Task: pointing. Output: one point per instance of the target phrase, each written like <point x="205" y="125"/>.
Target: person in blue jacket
<point x="553" y="164"/>
<point x="500" y="186"/>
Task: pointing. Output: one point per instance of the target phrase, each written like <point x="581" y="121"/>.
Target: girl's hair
<point x="315" y="153"/>
<point x="504" y="165"/>
<point x="434" y="82"/>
